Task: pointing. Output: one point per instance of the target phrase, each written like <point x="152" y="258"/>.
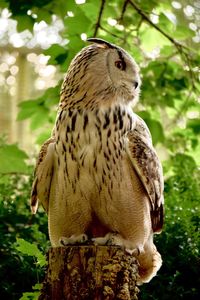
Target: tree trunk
<point x="90" y="272"/>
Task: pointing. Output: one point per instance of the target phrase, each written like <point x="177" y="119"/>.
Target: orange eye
<point x="119" y="64"/>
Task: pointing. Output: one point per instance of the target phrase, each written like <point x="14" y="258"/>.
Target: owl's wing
<point x="43" y="176"/>
<point x="148" y="167"/>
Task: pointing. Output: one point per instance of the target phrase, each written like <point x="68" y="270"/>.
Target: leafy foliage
<point x="158" y="36"/>
<point x="179" y="243"/>
<point x="18" y="271"/>
<point x="12" y="159"/>
<point x="32" y="295"/>
<point x="31" y="250"/>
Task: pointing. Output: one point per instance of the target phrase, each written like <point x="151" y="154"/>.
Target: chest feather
<point x="92" y="140"/>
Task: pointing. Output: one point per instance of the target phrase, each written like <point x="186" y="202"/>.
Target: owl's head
<point x="101" y="73"/>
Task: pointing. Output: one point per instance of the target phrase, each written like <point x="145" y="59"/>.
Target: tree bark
<point x="90" y="272"/>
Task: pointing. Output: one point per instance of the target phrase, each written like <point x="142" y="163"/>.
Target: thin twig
<point x="98" y="24"/>
<point x="109" y="32"/>
<point x="14" y="173"/>
<point x="169" y="56"/>
<point x="123" y="10"/>
<point x="139" y="24"/>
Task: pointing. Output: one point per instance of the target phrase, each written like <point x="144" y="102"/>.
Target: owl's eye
<point x="120" y="64"/>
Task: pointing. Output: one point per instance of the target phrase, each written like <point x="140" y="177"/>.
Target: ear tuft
<point x="101" y="42"/>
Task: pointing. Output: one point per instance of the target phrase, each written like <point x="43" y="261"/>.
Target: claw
<point x="74" y="239"/>
<point x="110" y="239"/>
<point x="115" y="239"/>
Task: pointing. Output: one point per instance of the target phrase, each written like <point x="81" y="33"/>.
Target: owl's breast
<point x="92" y="142"/>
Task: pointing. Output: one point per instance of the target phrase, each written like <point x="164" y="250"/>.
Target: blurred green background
<point x="38" y="39"/>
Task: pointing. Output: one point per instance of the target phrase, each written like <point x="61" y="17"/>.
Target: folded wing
<point x="43" y="175"/>
<point x="148" y="167"/>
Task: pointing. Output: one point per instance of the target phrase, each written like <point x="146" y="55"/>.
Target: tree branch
<point x="98" y="24"/>
<point x="147" y="19"/>
<point x="180" y="47"/>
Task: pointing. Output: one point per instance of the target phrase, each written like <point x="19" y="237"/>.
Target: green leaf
<point x="24" y="22"/>
<point x="90" y="10"/>
<point x="183" y="32"/>
<point x="43" y="15"/>
<point x="54" y="50"/>
<point x="74" y="46"/>
<point x="148" y="5"/>
<point x="60" y="8"/>
<point x="77" y="24"/>
<point x="194" y="124"/>
<point x="151" y="38"/>
<point x="167" y="50"/>
<point x="179" y="83"/>
<point x="128" y="20"/>
<point x="28" y="108"/>
<point x="136" y="53"/>
<point x="165" y="23"/>
<point x="144" y="114"/>
<point x="37" y="286"/>
<point x="194" y="143"/>
<point x="156" y="130"/>
<point x="31" y="250"/>
<point x="42" y="137"/>
<point x="184" y="163"/>
<point x="57" y="53"/>
<point x="52" y="95"/>
<point x="39" y="118"/>
<point x="3" y="4"/>
<point x="30" y="296"/>
<point x="37" y="110"/>
<point x="12" y="159"/>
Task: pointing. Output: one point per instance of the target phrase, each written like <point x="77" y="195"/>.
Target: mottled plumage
<point x="99" y="176"/>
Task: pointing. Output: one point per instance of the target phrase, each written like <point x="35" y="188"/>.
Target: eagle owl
<point x="98" y="176"/>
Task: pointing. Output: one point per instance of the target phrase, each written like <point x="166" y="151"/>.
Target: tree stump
<point x="90" y="272"/>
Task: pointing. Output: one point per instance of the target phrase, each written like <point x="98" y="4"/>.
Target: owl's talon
<point x="110" y="239"/>
<point x="74" y="239"/>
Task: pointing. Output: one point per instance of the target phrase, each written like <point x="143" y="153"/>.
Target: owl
<point x="98" y="176"/>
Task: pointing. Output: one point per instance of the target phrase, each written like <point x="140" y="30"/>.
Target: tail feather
<point x="34" y="205"/>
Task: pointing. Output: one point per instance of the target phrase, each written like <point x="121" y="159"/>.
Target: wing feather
<point x="43" y="175"/>
<point x="148" y="167"/>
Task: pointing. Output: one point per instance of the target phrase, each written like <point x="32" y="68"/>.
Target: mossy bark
<point x="90" y="272"/>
